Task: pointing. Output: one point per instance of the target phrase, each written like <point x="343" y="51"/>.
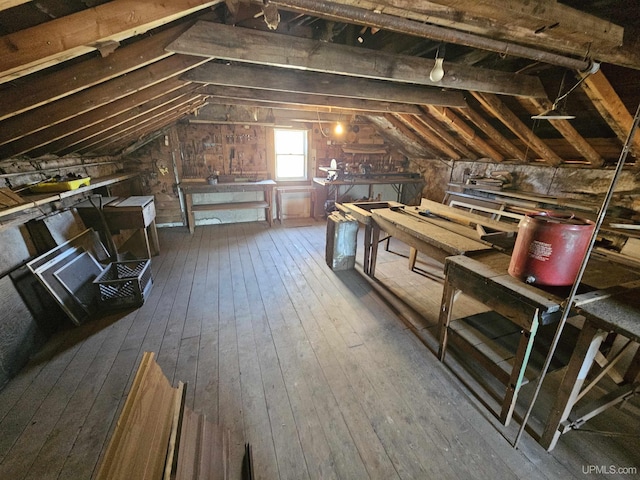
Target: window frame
<point x="305" y="154"/>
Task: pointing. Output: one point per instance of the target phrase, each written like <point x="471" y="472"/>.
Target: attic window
<point x="290" y="154"/>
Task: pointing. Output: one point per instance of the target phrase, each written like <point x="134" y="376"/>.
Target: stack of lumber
<point x="157" y="437"/>
<point x="8" y="198"/>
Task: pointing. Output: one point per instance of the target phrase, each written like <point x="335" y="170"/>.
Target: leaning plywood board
<point x="139" y="445"/>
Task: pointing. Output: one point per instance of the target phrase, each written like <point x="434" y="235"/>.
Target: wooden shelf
<point x="205" y="207"/>
<point x="37" y="200"/>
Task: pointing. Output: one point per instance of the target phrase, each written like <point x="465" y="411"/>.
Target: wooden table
<point x="618" y="313"/>
<point x="192" y="188"/>
<point x="434" y="237"/>
<point x="485" y="278"/>
<point x="361" y="211"/>
<point x="135" y="212"/>
<point x="408" y="188"/>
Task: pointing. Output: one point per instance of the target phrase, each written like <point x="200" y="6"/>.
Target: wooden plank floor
<point x="325" y="373"/>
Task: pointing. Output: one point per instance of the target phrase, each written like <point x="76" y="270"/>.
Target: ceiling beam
<point x="543" y="18"/>
<point x="611" y="108"/>
<point x="494" y="106"/>
<point x="44" y="89"/>
<point x="60" y="110"/>
<point x="566" y="130"/>
<point x="284" y="51"/>
<point x="300" y="100"/>
<point x="401" y="24"/>
<point x="32" y="49"/>
<point x="447" y="116"/>
<point x="297" y="81"/>
<point x="513" y="152"/>
<point x="279" y="106"/>
<point x="450" y="21"/>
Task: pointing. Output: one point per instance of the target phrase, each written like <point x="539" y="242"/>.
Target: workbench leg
<point x="278" y="205"/>
<point x="580" y="363"/>
<point x="413" y="257"/>
<point x="153" y="236"/>
<point x="367" y="249"/>
<point x="268" y="197"/>
<point x="444" y="319"/>
<point x="191" y="218"/>
<point x="517" y="374"/>
<point x="375" y="240"/>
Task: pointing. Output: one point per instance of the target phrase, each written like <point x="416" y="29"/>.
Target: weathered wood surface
<point x="314" y="369"/>
<point x="437" y="236"/>
<point x="255" y="46"/>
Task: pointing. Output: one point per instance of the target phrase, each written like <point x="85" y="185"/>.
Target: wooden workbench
<point x="434" y="237"/>
<point x="124" y="213"/>
<point x="408" y="188"/>
<point x="193" y="188"/>
<point x="485" y="278"/>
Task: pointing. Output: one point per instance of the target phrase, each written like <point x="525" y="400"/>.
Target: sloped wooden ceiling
<point x="102" y="78"/>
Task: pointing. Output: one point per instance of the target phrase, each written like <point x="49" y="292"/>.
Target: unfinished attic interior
<point x="298" y="239"/>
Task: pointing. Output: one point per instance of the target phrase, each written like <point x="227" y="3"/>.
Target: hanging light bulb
<point x="339" y="130"/>
<point x="437" y="72"/>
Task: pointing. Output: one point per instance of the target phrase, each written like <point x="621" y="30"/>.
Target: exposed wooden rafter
<point x="143" y="128"/>
<point x="107" y="92"/>
<point x="277" y="50"/>
<point x="566" y="129"/>
<point x="546" y="25"/>
<point x="440" y="130"/>
<point x="512" y="152"/>
<point x="100" y="129"/>
<point x="465" y="131"/>
<point x="301" y="100"/>
<point x="298" y="81"/>
<point x="611" y="108"/>
<point x="58" y="84"/>
<point x="58" y="40"/>
<point x="494" y="105"/>
<point x="64" y="134"/>
<point x="152" y="110"/>
<point x="428" y="135"/>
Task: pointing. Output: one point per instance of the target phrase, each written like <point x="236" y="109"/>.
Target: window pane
<point x="290" y="141"/>
<point x="290" y="166"/>
<point x="291" y="157"/>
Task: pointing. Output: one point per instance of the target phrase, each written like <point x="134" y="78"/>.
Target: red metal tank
<point x="549" y="248"/>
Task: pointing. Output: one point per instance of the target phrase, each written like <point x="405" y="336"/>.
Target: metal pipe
<point x="569" y="301"/>
<point x="361" y="16"/>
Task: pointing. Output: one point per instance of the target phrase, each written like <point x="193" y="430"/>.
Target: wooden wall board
<point x="17" y="331"/>
<point x="53" y="230"/>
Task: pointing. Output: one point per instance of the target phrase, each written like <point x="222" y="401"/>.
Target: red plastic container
<point x="549" y="248"/>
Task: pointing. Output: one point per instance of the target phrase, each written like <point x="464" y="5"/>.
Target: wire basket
<point x="124" y="284"/>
